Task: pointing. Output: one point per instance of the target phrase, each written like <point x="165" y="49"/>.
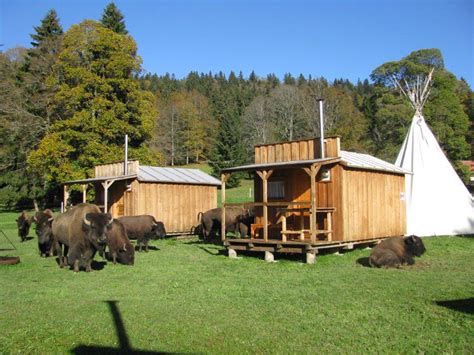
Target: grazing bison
<point x="237" y="219"/>
<point x="44" y="220"/>
<point x="143" y="228"/>
<point x="396" y="251"/>
<point x="119" y="245"/>
<point x="81" y="230"/>
<point x="23" y="222"/>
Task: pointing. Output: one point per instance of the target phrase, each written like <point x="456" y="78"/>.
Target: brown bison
<point x="43" y="221"/>
<point x="81" y="230"/>
<point x="237" y="219"/>
<point x="23" y="222"/>
<point x="143" y="228"/>
<point x="396" y="251"/>
<point x="119" y="245"/>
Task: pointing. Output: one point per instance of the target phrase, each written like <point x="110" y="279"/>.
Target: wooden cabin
<point x="174" y="196"/>
<point x="306" y="199"/>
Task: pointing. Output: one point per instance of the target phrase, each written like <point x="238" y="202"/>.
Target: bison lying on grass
<point x="396" y="251"/>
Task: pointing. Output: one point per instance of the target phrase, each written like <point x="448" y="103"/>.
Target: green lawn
<point x="186" y="296"/>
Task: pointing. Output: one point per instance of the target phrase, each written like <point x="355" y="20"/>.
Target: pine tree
<point x="112" y="19"/>
<point x="48" y="29"/>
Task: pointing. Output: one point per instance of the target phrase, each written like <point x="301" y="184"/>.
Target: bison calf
<point x="396" y="251"/>
<point x="119" y="245"/>
<point x="143" y="228"/>
<point x="23" y="222"/>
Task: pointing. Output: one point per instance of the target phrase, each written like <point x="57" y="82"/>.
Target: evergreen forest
<point x="67" y="101"/>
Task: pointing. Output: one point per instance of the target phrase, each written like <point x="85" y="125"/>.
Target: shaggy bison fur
<point x="44" y="220"/>
<point x="23" y="222"/>
<point x="396" y="251"/>
<point x="120" y="248"/>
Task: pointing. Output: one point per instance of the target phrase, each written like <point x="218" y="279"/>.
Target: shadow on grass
<point x="125" y="346"/>
<point x="363" y="261"/>
<point x="464" y="305"/>
<point x="150" y="247"/>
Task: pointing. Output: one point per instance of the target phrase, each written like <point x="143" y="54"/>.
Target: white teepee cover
<point x="437" y="201"/>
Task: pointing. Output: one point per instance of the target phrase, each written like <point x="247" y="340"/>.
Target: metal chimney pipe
<point x="125" y="159"/>
<point x="321" y="126"/>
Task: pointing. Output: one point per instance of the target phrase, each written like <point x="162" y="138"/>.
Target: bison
<point x="143" y="228"/>
<point x="23" y="222"/>
<point x="81" y="230"/>
<point x="43" y="221"/>
<point x="237" y="219"/>
<point x="119" y="245"/>
<point x="396" y="251"/>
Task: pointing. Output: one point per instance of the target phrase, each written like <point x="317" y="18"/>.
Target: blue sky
<point x="334" y="39"/>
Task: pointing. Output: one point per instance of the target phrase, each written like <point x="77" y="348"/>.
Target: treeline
<point x="66" y="103"/>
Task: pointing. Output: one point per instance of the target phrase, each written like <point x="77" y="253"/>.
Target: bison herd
<point x="78" y="234"/>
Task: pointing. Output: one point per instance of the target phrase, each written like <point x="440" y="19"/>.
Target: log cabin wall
<point x="176" y="205"/>
<point x="372" y="204"/>
<point x="306" y="149"/>
<point x="116" y="169"/>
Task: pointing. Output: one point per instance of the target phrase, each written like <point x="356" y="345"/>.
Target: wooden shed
<point x="174" y="196"/>
<point x="306" y="200"/>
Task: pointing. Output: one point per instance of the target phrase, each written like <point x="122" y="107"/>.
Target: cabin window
<point x="325" y="175"/>
<point x="276" y="189"/>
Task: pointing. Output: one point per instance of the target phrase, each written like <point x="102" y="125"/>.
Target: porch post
<point x="265" y="175"/>
<point x="106" y="184"/>
<point x="84" y="193"/>
<point x="312" y="221"/>
<point x="65" y="196"/>
<point x="224" y="178"/>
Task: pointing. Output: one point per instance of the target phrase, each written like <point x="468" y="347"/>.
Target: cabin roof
<point x="349" y="159"/>
<point x="176" y="175"/>
<point x="366" y="161"/>
<point x="281" y="165"/>
<point x="159" y="174"/>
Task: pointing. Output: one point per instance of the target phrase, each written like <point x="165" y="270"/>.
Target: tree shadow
<point x="465" y="305"/>
<point x="125" y="346"/>
<point x="363" y="261"/>
<point x="150" y="247"/>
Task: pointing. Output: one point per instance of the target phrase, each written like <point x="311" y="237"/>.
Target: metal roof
<point x="281" y="165"/>
<point x="99" y="179"/>
<point x="349" y="159"/>
<point x="176" y="175"/>
<point x="366" y="161"/>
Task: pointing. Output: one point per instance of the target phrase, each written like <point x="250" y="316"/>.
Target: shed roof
<point x="366" y="161"/>
<point x="350" y="159"/>
<point x="159" y="174"/>
<point x="176" y="175"/>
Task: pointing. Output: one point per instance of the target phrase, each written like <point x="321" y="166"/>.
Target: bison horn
<point x="124" y="247"/>
<point x="50" y="219"/>
<point x="86" y="221"/>
<point x="111" y="219"/>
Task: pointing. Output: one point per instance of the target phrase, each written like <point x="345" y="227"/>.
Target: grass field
<point x="187" y="296"/>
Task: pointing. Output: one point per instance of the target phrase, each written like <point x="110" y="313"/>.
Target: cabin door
<point x="118" y="202"/>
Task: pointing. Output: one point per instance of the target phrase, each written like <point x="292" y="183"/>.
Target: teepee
<point x="437" y="201"/>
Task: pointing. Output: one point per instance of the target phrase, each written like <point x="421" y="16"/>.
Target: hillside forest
<point x="67" y="101"/>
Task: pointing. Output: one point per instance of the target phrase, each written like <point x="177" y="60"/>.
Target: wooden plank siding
<point x="116" y="169"/>
<point x="296" y="150"/>
<point x="371" y="206"/>
<point x="176" y="205"/>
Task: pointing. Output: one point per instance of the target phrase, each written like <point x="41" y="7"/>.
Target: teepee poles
<point x="418" y="92"/>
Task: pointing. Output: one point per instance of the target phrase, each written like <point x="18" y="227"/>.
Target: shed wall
<point x="372" y="206"/>
<point x="176" y="205"/>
